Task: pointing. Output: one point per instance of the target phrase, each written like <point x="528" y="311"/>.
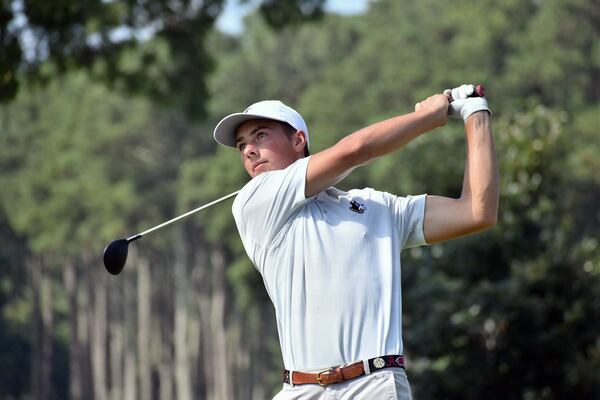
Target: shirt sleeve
<point x="409" y="214"/>
<point x="268" y="201"/>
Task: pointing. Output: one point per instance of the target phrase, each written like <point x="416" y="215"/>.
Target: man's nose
<point x="250" y="150"/>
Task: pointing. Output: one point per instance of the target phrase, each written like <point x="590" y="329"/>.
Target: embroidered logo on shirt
<point x="357" y="207"/>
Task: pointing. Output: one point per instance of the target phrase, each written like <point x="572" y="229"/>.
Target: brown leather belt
<point x="343" y="373"/>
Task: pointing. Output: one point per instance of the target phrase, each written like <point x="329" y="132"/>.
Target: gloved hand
<point x="462" y="105"/>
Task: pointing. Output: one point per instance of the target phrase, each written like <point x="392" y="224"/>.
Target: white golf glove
<point x="462" y="106"/>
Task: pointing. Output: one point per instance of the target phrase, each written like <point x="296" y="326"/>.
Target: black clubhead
<point x="115" y="255"/>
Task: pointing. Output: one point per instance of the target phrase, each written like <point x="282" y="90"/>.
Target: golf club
<point x="115" y="254"/>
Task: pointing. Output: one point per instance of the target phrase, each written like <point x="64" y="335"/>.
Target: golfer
<point x="330" y="259"/>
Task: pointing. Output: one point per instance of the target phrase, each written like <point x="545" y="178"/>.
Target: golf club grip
<point x="479" y="91"/>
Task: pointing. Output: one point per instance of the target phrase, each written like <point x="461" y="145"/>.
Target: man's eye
<point x="241" y="147"/>
<point x="260" y="135"/>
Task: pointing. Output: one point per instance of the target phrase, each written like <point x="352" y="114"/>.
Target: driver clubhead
<point x="115" y="255"/>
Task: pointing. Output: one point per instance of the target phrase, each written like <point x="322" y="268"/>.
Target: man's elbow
<point x="485" y="220"/>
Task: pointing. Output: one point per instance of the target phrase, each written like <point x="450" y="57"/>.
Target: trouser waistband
<point x="343" y="373"/>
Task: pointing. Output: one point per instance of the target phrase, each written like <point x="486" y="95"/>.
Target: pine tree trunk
<point x="182" y="362"/>
<point x="116" y="360"/>
<point x="241" y="338"/>
<point x="116" y="341"/>
<point x="85" y="318"/>
<point x="75" y="377"/>
<point x="222" y="389"/>
<point x="130" y="389"/>
<point x="98" y="335"/>
<point x="196" y="272"/>
<point x="143" y="329"/>
<point x="48" y="318"/>
<point x="36" y="330"/>
<point x="193" y="345"/>
<point x="163" y="359"/>
<point x="204" y="386"/>
<point x="130" y="329"/>
<point x="42" y="330"/>
<point x="206" y="338"/>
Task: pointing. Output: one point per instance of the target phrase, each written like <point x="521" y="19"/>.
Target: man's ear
<point x="299" y="141"/>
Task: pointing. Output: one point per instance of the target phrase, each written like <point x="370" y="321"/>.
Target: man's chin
<point x="261" y="168"/>
<point x="253" y="174"/>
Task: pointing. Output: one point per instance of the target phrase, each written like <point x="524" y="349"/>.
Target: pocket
<point x="299" y="392"/>
<point x="380" y="385"/>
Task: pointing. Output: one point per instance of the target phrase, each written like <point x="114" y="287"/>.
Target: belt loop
<point x="366" y="367"/>
<point x="292" y="378"/>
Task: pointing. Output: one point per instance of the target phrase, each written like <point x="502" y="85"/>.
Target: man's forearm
<point x="391" y="135"/>
<point x="481" y="180"/>
<point x="329" y="166"/>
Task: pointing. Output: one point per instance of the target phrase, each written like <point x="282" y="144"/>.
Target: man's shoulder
<point x="246" y="193"/>
<point x="364" y="191"/>
<point x="370" y="194"/>
<point x="379" y="194"/>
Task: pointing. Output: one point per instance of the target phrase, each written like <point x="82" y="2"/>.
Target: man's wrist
<point x="478" y="119"/>
<point x="480" y="114"/>
<point x="429" y="119"/>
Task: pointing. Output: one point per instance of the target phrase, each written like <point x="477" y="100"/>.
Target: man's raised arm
<point x="330" y="166"/>
<point x="477" y="207"/>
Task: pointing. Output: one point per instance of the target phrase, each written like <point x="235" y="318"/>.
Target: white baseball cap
<point x="268" y="109"/>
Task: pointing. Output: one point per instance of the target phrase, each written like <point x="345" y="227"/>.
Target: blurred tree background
<point x="105" y="130"/>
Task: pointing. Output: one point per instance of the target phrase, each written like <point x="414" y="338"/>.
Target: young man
<point x="330" y="260"/>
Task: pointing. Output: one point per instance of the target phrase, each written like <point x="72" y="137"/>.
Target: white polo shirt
<point x="330" y="263"/>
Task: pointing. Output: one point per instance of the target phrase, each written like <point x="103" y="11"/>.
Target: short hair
<point x="290" y="130"/>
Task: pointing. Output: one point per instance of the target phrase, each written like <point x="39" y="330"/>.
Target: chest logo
<point x="357" y="207"/>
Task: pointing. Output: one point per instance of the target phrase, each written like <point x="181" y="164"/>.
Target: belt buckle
<point x="319" y="379"/>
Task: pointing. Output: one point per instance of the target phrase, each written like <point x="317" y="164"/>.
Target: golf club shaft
<point x="139" y="235"/>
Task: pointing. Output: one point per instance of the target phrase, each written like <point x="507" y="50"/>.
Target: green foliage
<point x="15" y="308"/>
<point x="205" y="179"/>
<point x="71" y="35"/>
<point x="282" y="13"/>
<point x="482" y="318"/>
<point x="98" y="35"/>
<point x="61" y="184"/>
<point x="558" y="63"/>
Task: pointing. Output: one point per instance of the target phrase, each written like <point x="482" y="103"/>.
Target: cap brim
<point x="225" y="130"/>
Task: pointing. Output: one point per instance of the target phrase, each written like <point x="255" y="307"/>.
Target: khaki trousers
<point x="387" y="384"/>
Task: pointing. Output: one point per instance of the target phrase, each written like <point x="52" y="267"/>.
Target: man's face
<point x="265" y="146"/>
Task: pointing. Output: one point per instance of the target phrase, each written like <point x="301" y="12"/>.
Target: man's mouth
<point x="257" y="163"/>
